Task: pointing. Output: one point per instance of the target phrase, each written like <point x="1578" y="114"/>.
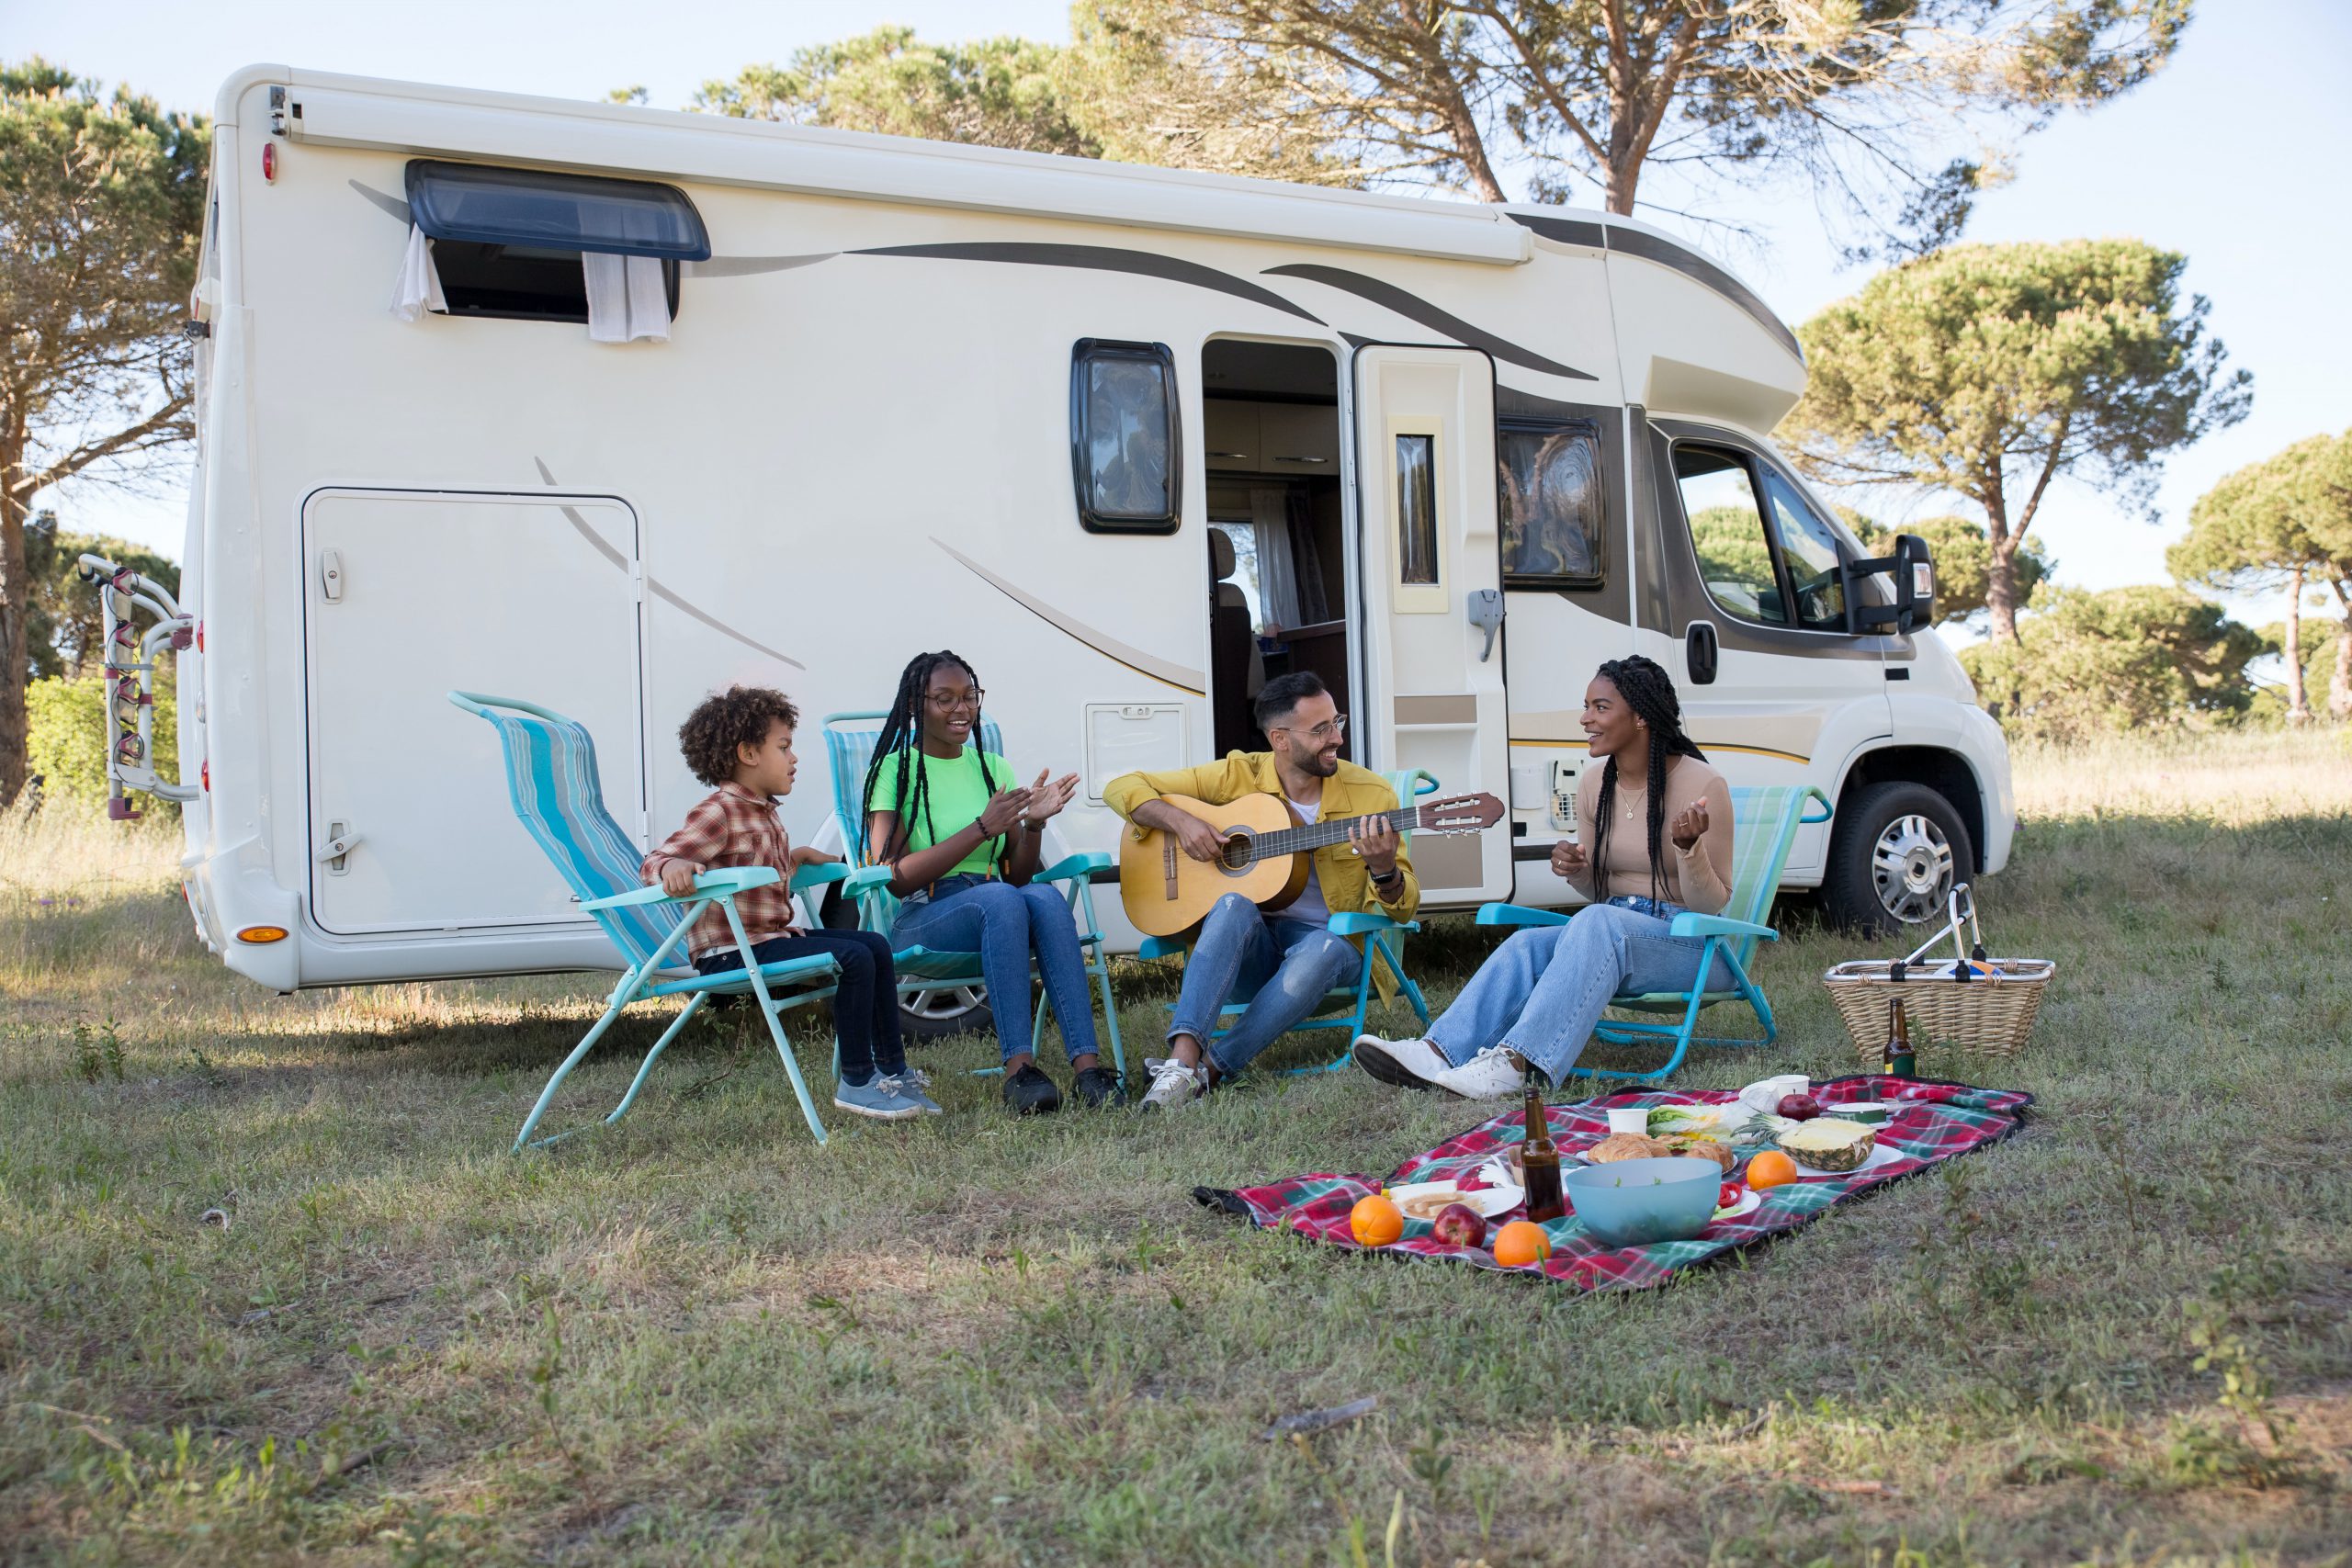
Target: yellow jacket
<point x="1352" y="792"/>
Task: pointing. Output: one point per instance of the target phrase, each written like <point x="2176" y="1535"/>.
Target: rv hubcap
<point x="1911" y="864"/>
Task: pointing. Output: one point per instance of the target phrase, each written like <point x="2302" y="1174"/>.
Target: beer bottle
<point x="1899" y="1062"/>
<point x="1541" y="1158"/>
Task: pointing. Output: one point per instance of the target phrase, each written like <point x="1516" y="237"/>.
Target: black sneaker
<point x="1028" y="1092"/>
<point x="1099" y="1087"/>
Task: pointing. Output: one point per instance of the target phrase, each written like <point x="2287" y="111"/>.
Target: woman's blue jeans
<point x="1005" y="925"/>
<point x="1541" y="992"/>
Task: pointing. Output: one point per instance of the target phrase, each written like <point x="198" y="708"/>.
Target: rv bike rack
<point x="131" y="678"/>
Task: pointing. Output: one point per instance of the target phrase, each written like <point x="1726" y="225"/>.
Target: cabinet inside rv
<point x="1271" y="441"/>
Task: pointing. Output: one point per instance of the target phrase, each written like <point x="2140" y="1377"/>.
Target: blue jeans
<point x="1005" y="925"/>
<point x="865" y="996"/>
<point x="1541" y="992"/>
<point x="1289" y="965"/>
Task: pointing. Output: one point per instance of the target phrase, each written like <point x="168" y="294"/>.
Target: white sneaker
<point x="1173" y="1084"/>
<point x="1491" y="1074"/>
<point x="1405" y="1064"/>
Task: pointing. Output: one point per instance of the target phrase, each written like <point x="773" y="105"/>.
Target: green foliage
<point x="69" y="733"/>
<point x="2127" y="658"/>
<point x="66" y="621"/>
<point x="1000" y="92"/>
<point x="1987" y="371"/>
<point x="1963" y="558"/>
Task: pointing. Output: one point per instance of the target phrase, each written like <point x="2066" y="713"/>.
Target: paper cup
<point x="1633" y="1119"/>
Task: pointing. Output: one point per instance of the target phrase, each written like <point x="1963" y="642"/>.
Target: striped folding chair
<point x="1764" y="824"/>
<point x="552" y="779"/>
<point x="850" y="740"/>
<point x="1384" y="941"/>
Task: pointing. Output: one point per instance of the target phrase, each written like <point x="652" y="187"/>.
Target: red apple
<point x="1799" y="1107"/>
<point x="1459" y="1224"/>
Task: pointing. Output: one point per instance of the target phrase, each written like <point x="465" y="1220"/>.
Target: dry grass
<point x="698" y="1338"/>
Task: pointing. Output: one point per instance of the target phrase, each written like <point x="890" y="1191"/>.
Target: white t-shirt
<point x="1310" y="905"/>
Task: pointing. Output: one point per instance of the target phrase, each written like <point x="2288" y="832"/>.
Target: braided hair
<point x="898" y="756"/>
<point x="1648" y="690"/>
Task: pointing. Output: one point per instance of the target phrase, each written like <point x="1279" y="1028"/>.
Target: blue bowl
<point x="1630" y="1202"/>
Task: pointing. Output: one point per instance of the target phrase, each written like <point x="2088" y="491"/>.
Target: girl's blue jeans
<point x="1541" y="992"/>
<point x="1005" y="925"/>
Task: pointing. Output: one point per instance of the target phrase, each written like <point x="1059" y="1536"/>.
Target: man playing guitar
<point x="1288" y="953"/>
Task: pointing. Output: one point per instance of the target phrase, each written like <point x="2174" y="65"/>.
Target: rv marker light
<point x="269" y="161"/>
<point x="258" y="934"/>
<point x="204" y="776"/>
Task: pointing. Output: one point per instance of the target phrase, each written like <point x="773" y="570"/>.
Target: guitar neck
<point x="1322" y="835"/>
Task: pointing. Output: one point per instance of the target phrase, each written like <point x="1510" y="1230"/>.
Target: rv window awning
<point x="563" y="212"/>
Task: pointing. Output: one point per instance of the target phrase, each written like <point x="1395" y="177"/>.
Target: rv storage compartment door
<point x="528" y="597"/>
<point x="1432" y="563"/>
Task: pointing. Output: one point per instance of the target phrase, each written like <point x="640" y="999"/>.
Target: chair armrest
<point x="1363" y="922"/>
<point x="1518" y="915"/>
<point x="810" y="876"/>
<point x="1161" y="947"/>
<point x="1688" y="923"/>
<point x="865" y="878"/>
<point x="723" y="883"/>
<point x="1083" y="863"/>
<point x="1812" y="797"/>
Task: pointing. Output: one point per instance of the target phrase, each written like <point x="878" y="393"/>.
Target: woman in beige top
<point x="1661" y="844"/>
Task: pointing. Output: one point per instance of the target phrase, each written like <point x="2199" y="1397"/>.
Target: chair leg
<point x="1102" y="968"/>
<point x="645" y="1068"/>
<point x="587" y="1043"/>
<point x="770" y="1008"/>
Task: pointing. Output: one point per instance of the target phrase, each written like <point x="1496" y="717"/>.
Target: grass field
<point x="2121" y="1338"/>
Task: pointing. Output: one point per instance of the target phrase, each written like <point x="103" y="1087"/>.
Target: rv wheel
<point x="1895" y="855"/>
<point x="955" y="1010"/>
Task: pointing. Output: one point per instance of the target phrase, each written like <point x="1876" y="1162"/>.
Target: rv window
<point x="1125" y="454"/>
<point x="1727" y="533"/>
<point x="1550" y="476"/>
<point x="1416" y="509"/>
<point x="1810" y="551"/>
<point x="486" y="206"/>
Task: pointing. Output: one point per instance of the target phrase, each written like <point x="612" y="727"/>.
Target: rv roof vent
<point x="564" y="212"/>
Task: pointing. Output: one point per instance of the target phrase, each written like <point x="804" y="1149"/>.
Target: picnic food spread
<point x="1829" y="1145"/>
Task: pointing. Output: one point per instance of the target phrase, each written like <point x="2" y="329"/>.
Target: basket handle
<point x="1963" y="905"/>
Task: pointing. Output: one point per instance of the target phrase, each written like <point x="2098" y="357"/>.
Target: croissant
<point x="1627" y="1146"/>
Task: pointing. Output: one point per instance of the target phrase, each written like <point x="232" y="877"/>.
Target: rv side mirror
<point x="1913" y="568"/>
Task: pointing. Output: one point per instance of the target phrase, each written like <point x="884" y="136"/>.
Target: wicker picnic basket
<point x="1990" y="1013"/>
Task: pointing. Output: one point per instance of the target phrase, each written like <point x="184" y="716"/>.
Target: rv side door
<point x="1432" y="695"/>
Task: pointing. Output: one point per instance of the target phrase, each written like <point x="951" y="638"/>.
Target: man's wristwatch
<point x="1382" y="879"/>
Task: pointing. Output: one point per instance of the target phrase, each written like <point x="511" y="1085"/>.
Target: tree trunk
<point x="2339" y="689"/>
<point x="2299" y="705"/>
<point x="16" y="598"/>
<point x="2000" y="573"/>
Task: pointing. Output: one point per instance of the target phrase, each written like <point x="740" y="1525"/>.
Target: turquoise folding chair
<point x="552" y="779"/>
<point x="922" y="971"/>
<point x="1384" y="938"/>
<point x="1764" y="824"/>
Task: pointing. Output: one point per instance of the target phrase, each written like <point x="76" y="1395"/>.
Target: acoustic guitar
<point x="1267" y="854"/>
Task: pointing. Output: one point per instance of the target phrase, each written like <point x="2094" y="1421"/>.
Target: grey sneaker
<point x="905" y="1085"/>
<point x="875" y="1099"/>
<point x="1173" y="1084"/>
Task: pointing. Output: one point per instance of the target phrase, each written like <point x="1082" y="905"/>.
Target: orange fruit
<point x="1770" y="1168"/>
<point x="1375" y="1221"/>
<point x="1521" y="1242"/>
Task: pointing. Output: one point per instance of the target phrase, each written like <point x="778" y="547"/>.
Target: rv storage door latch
<point x="331" y="854"/>
<point x="331" y="575"/>
<point x="1487" y="615"/>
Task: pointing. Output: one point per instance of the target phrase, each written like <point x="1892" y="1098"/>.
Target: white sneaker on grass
<point x="1407" y="1063"/>
<point x="1491" y="1074"/>
<point x="871" y="1099"/>
<point x="1173" y="1084"/>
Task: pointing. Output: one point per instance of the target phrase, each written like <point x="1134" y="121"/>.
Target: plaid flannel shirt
<point x="732" y="827"/>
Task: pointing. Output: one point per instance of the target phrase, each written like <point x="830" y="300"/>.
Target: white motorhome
<point x="603" y="408"/>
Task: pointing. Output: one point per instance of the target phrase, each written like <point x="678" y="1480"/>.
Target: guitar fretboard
<point x="1322" y="835"/>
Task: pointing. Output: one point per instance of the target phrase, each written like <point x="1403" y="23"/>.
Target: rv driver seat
<point x="1233" y="651"/>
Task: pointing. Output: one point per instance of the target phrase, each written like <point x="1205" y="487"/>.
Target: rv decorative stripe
<point x="1101" y="258"/>
<point x="1650" y="248"/>
<point x="1413" y="307"/>
<point x="1190" y="682"/>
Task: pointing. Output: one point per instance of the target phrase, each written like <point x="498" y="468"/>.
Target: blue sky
<point x="2232" y="156"/>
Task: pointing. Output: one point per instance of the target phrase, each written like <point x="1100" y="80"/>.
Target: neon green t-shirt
<point x="955" y="795"/>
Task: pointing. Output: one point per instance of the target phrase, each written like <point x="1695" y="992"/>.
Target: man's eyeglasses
<point x="1330" y="729"/>
<point x="948" y="701"/>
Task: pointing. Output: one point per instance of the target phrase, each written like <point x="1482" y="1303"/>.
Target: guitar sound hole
<point x="1236" y="856"/>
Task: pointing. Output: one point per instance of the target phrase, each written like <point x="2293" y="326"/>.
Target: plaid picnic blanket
<point x="1935" y="1121"/>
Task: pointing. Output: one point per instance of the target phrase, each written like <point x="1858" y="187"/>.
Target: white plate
<point x="1749" y="1203"/>
<point x="1882" y="1156"/>
<point x="1488" y="1201"/>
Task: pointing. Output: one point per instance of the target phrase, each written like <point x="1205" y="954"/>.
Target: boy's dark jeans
<point x="865" y="1002"/>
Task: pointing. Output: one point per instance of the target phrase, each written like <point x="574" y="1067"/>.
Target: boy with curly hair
<point x="740" y="741"/>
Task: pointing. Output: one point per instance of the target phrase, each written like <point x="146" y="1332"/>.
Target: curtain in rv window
<point x="1125" y="456"/>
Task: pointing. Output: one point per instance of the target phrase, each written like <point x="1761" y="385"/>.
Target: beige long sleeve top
<point x="1698" y="878"/>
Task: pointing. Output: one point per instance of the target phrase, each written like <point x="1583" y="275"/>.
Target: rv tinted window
<point x="1727" y="533"/>
<point x="479" y="204"/>
<point x="1124" y="447"/>
<point x="1551" y="506"/>
<point x="1416" y="509"/>
<point x="1810" y="551"/>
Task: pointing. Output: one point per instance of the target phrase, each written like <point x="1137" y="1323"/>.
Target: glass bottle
<point x="1541" y="1158"/>
<point x="1899" y="1063"/>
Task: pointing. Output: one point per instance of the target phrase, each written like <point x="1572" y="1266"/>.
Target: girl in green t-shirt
<point x="962" y="841"/>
